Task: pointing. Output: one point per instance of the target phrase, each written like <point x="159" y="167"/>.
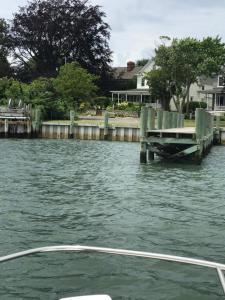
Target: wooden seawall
<point x="170" y="140"/>
<point x="89" y="132"/>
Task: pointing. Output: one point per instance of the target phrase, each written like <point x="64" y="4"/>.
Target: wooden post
<point x="143" y="128"/>
<point x="72" y="117"/>
<point x="217" y="122"/>
<point x="159" y="119"/>
<point x="6" y="127"/>
<point x="151" y="119"/>
<point x="199" y="123"/>
<point x="28" y="128"/>
<point x="174" y="120"/>
<point x="165" y="122"/>
<point x="180" y="121"/>
<point x="150" y="155"/>
<point x="106" y="125"/>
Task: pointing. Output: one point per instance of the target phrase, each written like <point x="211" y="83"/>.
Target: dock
<point x="162" y="133"/>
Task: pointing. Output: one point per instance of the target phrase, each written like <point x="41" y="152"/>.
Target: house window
<point x="221" y="81"/>
<point x="191" y="99"/>
<point x="142" y="82"/>
<point x="203" y="88"/>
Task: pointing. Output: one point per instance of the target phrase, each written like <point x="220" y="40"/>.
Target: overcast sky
<point x="137" y="24"/>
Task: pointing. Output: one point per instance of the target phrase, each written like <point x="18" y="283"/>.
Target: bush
<point x="125" y="106"/>
<point x="193" y="105"/>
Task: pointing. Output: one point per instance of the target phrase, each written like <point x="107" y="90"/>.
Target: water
<point x="56" y="192"/>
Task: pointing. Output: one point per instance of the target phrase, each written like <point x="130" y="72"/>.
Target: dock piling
<point x="159" y="119"/>
<point x="106" y="125"/>
<point x="151" y="119"/>
<point x="72" y="118"/>
<point x="143" y="128"/>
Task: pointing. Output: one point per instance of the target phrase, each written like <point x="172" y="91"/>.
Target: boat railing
<point x="220" y="268"/>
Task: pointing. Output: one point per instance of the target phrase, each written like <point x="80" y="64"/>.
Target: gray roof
<point x="122" y="73"/>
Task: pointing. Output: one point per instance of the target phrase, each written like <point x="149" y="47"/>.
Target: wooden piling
<point x="151" y="155"/>
<point x="174" y="119"/>
<point x="170" y="116"/>
<point x="151" y="119"/>
<point x="217" y="122"/>
<point x="106" y="125"/>
<point x="72" y="118"/>
<point x="165" y="122"/>
<point x="159" y="119"/>
<point x="143" y="128"/>
<point x="6" y="130"/>
<point x="199" y="119"/>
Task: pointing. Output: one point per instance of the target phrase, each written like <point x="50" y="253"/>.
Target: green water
<point x="55" y="192"/>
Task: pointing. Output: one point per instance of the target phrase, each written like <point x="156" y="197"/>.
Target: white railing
<point x="220" y="268"/>
<point x="219" y="108"/>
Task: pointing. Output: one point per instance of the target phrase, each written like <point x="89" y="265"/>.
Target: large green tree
<point x="159" y="87"/>
<point x="52" y="32"/>
<point x="75" y="85"/>
<point x="5" y="69"/>
<point x="184" y="61"/>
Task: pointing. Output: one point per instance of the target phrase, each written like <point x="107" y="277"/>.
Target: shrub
<point x="193" y="105"/>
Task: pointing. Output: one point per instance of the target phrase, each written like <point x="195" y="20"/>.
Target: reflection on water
<point x="96" y="193"/>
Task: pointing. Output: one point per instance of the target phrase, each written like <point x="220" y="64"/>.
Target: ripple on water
<point x="67" y="192"/>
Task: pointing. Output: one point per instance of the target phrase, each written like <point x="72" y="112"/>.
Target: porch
<point x="135" y="96"/>
<point x="215" y="99"/>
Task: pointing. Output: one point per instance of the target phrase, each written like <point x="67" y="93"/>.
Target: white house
<point x="209" y="90"/>
<point x="141" y="93"/>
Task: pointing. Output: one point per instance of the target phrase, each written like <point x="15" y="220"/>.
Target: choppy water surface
<point x="96" y="193"/>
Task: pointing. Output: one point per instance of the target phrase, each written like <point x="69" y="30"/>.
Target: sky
<point x="136" y="25"/>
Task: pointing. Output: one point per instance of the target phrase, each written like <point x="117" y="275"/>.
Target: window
<point x="142" y="82"/>
<point x="221" y="81"/>
<point x="203" y="88"/>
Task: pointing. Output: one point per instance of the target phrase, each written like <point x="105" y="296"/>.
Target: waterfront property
<point x="208" y="90"/>
<point x="141" y="93"/>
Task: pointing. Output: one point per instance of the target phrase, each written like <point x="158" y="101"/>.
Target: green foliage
<point x="41" y="93"/>
<point x="184" y="60"/>
<point x="159" y="87"/>
<point x="142" y="62"/>
<point x="74" y="85"/>
<point x="100" y="102"/>
<point x="125" y="106"/>
<point x="4" y="49"/>
<point x="12" y="89"/>
<point x="193" y="105"/>
<point x="50" y="32"/>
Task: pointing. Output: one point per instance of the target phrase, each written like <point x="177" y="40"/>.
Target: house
<point x="209" y="90"/>
<point x="141" y="93"/>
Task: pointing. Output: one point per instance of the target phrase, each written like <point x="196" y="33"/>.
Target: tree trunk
<point x="165" y="104"/>
<point x="188" y="100"/>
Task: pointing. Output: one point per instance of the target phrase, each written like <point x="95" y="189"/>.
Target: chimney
<point x="130" y="66"/>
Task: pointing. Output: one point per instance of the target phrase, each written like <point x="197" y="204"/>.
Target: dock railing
<point x="152" y="119"/>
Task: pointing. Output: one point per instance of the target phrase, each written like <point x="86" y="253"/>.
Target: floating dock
<point x="163" y="134"/>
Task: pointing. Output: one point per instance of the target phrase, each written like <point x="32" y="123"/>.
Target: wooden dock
<point x="163" y="134"/>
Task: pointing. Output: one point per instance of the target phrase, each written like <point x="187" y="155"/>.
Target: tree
<point x="4" y="49"/>
<point x="159" y="87"/>
<point x="54" y="32"/>
<point x="142" y="62"/>
<point x="184" y="61"/>
<point x="74" y="85"/>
